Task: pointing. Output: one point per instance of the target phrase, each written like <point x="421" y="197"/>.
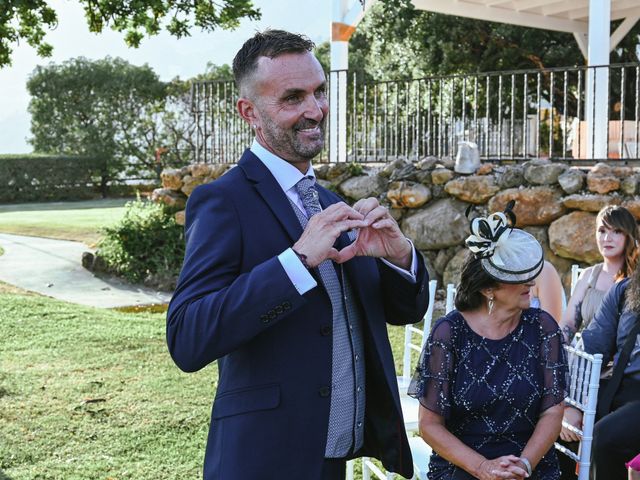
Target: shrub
<point x="147" y="245"/>
<point x="37" y="177"/>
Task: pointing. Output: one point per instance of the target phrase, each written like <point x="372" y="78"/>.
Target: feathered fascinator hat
<point x="507" y="254"/>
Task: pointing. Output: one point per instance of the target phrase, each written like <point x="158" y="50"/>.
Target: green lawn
<point x="79" y="221"/>
<point x="93" y="394"/>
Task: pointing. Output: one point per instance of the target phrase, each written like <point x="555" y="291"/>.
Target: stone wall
<point x="554" y="202"/>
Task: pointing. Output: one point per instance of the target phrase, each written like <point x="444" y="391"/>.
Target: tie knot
<point x="308" y="196"/>
<point x="304" y="185"/>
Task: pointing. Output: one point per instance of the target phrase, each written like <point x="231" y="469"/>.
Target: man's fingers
<point x="346" y="254"/>
<point x="378" y="213"/>
<point x="366" y="205"/>
<point x="340" y="210"/>
<point x="384" y="223"/>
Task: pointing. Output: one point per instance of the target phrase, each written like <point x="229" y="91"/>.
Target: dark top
<point x="492" y="392"/>
<point x="610" y="328"/>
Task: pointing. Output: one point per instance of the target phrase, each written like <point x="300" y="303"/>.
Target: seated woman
<point x="617" y="241"/>
<point x="491" y="377"/>
<point x="613" y="332"/>
<point x="547" y="293"/>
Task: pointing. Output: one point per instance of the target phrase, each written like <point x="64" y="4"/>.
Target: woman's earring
<point x="490" y="305"/>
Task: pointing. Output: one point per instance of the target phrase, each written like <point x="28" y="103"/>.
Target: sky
<point x="167" y="56"/>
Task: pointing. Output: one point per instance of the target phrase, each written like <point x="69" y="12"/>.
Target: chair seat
<point x="421" y="453"/>
<point x="410" y="407"/>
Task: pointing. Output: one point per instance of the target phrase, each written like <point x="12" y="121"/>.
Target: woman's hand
<point x="506" y="467"/>
<point x="573" y="417"/>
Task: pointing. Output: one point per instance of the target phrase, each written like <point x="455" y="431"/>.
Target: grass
<point x="93" y="394"/>
<point x="80" y="221"/>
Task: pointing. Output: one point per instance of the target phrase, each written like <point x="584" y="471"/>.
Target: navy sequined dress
<point x="491" y="392"/>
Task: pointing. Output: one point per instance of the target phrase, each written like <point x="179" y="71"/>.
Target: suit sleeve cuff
<point x="302" y="280"/>
<point x="409" y="275"/>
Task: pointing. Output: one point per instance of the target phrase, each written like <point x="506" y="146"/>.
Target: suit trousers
<point x="333" y="469"/>
<point x="616" y="436"/>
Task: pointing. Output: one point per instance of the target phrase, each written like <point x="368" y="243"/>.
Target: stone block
<point x="573" y="236"/>
<point x="590" y="202"/>
<point x="572" y="180"/>
<point x="542" y="172"/>
<point x="473" y="189"/>
<point x="534" y="205"/>
<point x="440" y="224"/>
<point x="440" y="176"/>
<point x="408" y="194"/>
<point x="171" y="178"/>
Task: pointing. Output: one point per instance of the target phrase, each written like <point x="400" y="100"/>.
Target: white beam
<point x="582" y="39"/>
<point x="524" y="5"/>
<point x="618" y="10"/>
<point x="597" y="104"/>
<point x="622" y="31"/>
<point x="564" y="7"/>
<point x="496" y="14"/>
<point x="617" y="14"/>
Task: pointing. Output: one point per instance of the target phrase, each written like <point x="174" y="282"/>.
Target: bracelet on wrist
<point x="303" y="259"/>
<point x="527" y="465"/>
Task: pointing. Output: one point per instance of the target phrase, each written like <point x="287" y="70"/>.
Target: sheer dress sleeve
<point x="553" y="362"/>
<point x="431" y="382"/>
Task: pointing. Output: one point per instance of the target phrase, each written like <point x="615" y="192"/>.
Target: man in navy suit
<point x="290" y="289"/>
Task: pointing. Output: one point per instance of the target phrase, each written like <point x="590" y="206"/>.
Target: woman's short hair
<point x="473" y="279"/>
<point x="617" y="217"/>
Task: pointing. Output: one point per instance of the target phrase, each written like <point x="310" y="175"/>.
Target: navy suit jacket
<point x="235" y="303"/>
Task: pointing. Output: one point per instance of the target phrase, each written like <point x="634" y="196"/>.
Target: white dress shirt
<point x="287" y="177"/>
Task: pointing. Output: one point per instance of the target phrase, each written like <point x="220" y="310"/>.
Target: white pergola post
<point x="338" y="101"/>
<point x="346" y="14"/>
<point x="340" y="34"/>
<point x="597" y="98"/>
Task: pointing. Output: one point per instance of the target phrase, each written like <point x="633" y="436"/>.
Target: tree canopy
<point x="395" y="40"/>
<point x="28" y="20"/>
<point x="103" y="109"/>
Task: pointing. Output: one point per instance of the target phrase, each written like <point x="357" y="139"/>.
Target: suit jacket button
<point x="264" y="318"/>
<point x="324" y="391"/>
<point x="325" y="330"/>
<point x="279" y="309"/>
<point x="272" y="315"/>
<point x="286" y="305"/>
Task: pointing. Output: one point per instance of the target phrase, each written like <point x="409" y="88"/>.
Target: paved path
<point x="53" y="268"/>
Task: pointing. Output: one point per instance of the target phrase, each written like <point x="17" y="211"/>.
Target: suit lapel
<point x="270" y="191"/>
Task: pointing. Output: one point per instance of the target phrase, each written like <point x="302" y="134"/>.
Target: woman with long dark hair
<point x="617" y="241"/>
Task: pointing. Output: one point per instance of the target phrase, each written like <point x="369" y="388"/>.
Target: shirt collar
<point x="285" y="173"/>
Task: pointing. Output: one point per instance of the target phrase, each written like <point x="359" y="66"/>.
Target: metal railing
<point x="511" y="116"/>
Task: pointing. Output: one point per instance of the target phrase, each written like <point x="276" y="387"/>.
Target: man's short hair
<point x="270" y="43"/>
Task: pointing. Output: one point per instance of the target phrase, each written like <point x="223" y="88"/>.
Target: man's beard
<point x="288" y="142"/>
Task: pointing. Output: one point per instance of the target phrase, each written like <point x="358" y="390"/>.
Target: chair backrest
<point x="451" y="294"/>
<point x="584" y="381"/>
<point x="576" y="270"/>
<point x="414" y="337"/>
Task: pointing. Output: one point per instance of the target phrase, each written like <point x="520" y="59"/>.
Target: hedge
<point x="35" y="177"/>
